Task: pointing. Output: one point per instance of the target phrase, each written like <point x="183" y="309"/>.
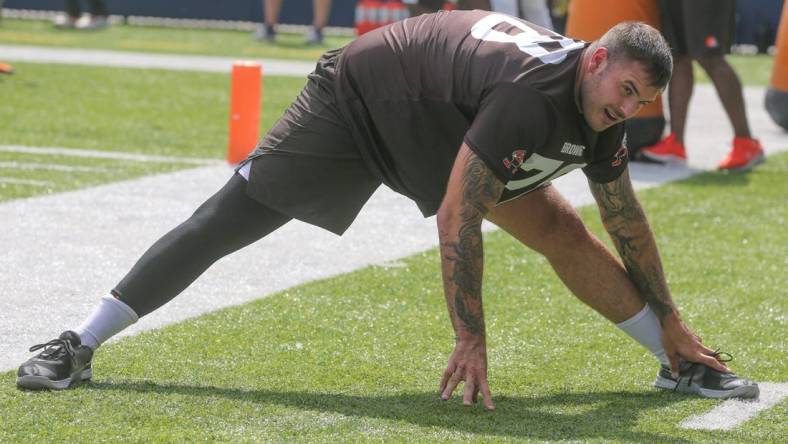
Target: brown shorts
<point x="308" y="166"/>
<point x="698" y="28"/>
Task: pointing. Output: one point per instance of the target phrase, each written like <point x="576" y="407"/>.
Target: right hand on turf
<point x="468" y="363"/>
<point x="680" y="342"/>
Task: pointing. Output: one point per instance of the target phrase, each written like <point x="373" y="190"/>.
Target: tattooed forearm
<point x="465" y="259"/>
<point x="650" y="282"/>
<point x="472" y="321"/>
<point x="617" y="201"/>
<point x="466" y="254"/>
<point x="626" y="223"/>
<point x="646" y="280"/>
<point x="472" y="191"/>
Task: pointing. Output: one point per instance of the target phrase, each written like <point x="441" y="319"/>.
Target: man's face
<point x="613" y="91"/>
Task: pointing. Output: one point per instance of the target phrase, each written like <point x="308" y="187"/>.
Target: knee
<point x="200" y="231"/>
<point x="573" y="234"/>
<point x="564" y="233"/>
<point x="191" y="236"/>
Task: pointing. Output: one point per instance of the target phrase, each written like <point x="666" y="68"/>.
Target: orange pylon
<point x="779" y="79"/>
<point x="245" y="106"/>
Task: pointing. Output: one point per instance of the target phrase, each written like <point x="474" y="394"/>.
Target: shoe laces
<point x="717" y="354"/>
<point x="54" y="349"/>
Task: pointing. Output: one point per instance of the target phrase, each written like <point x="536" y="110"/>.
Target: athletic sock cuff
<point x="636" y="318"/>
<point x="109" y="317"/>
<point x="122" y="306"/>
<point x="644" y="327"/>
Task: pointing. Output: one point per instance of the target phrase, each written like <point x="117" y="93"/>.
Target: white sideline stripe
<point x="130" y="59"/>
<point x="52" y="167"/>
<point x="75" y="152"/>
<point x="734" y="412"/>
<point x="38" y="183"/>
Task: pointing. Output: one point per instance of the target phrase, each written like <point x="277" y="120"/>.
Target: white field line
<point x="129" y="59"/>
<point x="37" y="183"/>
<point x="52" y="167"/>
<point x="74" y="152"/>
<point x="733" y="412"/>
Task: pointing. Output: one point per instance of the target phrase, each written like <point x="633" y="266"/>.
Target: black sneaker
<point x="63" y="362"/>
<point x="702" y="380"/>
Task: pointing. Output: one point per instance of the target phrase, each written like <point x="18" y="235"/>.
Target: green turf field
<point x="152" y="112"/>
<point x="167" y="40"/>
<point x="358" y="357"/>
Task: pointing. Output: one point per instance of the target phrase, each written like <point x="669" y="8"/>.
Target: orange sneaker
<point x="5" y="68"/>
<point x="746" y="153"/>
<point x="666" y="150"/>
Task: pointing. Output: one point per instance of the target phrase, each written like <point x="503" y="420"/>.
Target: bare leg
<point x="728" y="87"/>
<point x="679" y="93"/>
<point x="271" y="8"/>
<point x="544" y="221"/>
<point x="321" y="14"/>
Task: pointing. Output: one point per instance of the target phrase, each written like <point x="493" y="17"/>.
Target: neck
<point x="580" y="76"/>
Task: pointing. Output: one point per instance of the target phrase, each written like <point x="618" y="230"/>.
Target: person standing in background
<point x="702" y="30"/>
<point x="97" y="18"/>
<point x="267" y="32"/>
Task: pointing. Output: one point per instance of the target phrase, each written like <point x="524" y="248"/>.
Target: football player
<point x="471" y="115"/>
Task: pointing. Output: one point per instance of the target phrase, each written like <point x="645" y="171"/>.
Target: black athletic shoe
<point x="63" y="362"/>
<point x="702" y="380"/>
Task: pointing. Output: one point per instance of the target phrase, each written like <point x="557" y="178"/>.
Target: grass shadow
<point x="603" y="415"/>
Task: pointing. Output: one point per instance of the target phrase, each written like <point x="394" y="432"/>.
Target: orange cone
<point x="777" y="93"/>
<point x="244" y="110"/>
<point x="779" y="78"/>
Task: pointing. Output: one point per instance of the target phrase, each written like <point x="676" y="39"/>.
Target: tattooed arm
<point x="626" y="223"/>
<point x="629" y="229"/>
<point x="471" y="191"/>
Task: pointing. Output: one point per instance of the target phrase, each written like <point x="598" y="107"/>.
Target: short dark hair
<point x="639" y="42"/>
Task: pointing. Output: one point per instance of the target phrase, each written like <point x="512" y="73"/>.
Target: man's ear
<point x="598" y="60"/>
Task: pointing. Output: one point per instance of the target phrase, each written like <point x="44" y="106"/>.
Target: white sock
<point x="644" y="327"/>
<point x="109" y="318"/>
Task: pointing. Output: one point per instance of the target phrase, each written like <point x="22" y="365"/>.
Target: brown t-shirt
<point x="415" y="90"/>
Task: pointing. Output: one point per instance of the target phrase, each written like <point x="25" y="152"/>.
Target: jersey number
<point x="529" y="41"/>
<point x="541" y="169"/>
